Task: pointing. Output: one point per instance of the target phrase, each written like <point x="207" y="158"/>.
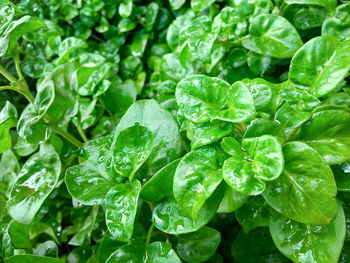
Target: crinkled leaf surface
<point x="132" y="147"/>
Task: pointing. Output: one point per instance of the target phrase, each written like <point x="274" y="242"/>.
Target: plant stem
<point x="62" y="132"/>
<point x="149" y="235"/>
<point x="8" y="75"/>
<point x="22" y="88"/>
<point x="81" y="132"/>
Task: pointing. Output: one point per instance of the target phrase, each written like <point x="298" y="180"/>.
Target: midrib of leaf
<point x="291" y="179"/>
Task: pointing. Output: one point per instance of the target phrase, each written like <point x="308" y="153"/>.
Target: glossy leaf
<point x="306" y="190"/>
<point x="202" y="99"/>
<point x="36" y="180"/>
<point x="8" y="120"/>
<point x="202" y="134"/>
<point x="132" y="252"/>
<point x="160" y="252"/>
<point x="197" y="176"/>
<point x="198" y="246"/>
<point x="170" y="218"/>
<point x="132" y="147"/>
<point x="90" y="181"/>
<point x="272" y="35"/>
<point x="314" y="243"/>
<point x="320" y="65"/>
<point x="31" y="259"/>
<point x="151" y="191"/>
<point x="121" y="206"/>
<point x="167" y="141"/>
<point x="247" y="170"/>
<point x="328" y="133"/>
<point x="338" y="22"/>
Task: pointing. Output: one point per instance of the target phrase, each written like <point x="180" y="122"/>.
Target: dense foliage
<point x="173" y="131"/>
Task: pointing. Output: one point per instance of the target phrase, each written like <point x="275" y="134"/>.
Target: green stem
<point x="8" y="75"/>
<point x="22" y="88"/>
<point x="62" y="132"/>
<point x="81" y="133"/>
<point x="149" y="235"/>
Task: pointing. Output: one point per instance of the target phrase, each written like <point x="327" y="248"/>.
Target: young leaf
<point x="36" y="180"/>
<point x="272" y="35"/>
<point x="202" y="99"/>
<point x="167" y="140"/>
<point x="121" y="206"/>
<point x="309" y="243"/>
<point x="261" y="160"/>
<point x="132" y="147"/>
<point x="160" y="252"/>
<point x="132" y="252"/>
<point x="338" y="22"/>
<point x="8" y="120"/>
<point x="306" y="190"/>
<point x="170" y="218"/>
<point x="197" y="176"/>
<point x="152" y="192"/>
<point x="90" y="181"/>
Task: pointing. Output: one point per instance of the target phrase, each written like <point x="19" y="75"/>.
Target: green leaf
<point x="255" y="213"/>
<point x="202" y="134"/>
<point x="247" y="170"/>
<point x="197" y="176"/>
<point x="272" y="35"/>
<point x="132" y="148"/>
<point x="167" y="140"/>
<point x="201" y="4"/>
<point x="306" y="190"/>
<point x="19" y="235"/>
<point x="14" y="31"/>
<point x="125" y="8"/>
<point x="37" y="178"/>
<point x="31" y="259"/>
<point x="121" y="206"/>
<point x="329" y="4"/>
<point x="84" y="233"/>
<point x="256" y="246"/>
<point x="328" y="133"/>
<point x="176" y="4"/>
<point x="44" y="97"/>
<point x="170" y="218"/>
<point x="291" y="119"/>
<point x="232" y="200"/>
<point x="31" y="127"/>
<point x="48" y="248"/>
<point x="342" y="176"/>
<point x="202" y="99"/>
<point x="160" y="252"/>
<point x="338" y="22"/>
<point x="308" y="243"/>
<point x="132" y="252"/>
<point x="198" y="246"/>
<point x="8" y="120"/>
<point x="9" y="168"/>
<point x="265" y="95"/>
<point x="260" y="127"/>
<point x="152" y="192"/>
<point x="320" y="65"/>
<point x="90" y="181"/>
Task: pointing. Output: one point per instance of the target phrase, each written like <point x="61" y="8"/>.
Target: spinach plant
<point x="174" y="131"/>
